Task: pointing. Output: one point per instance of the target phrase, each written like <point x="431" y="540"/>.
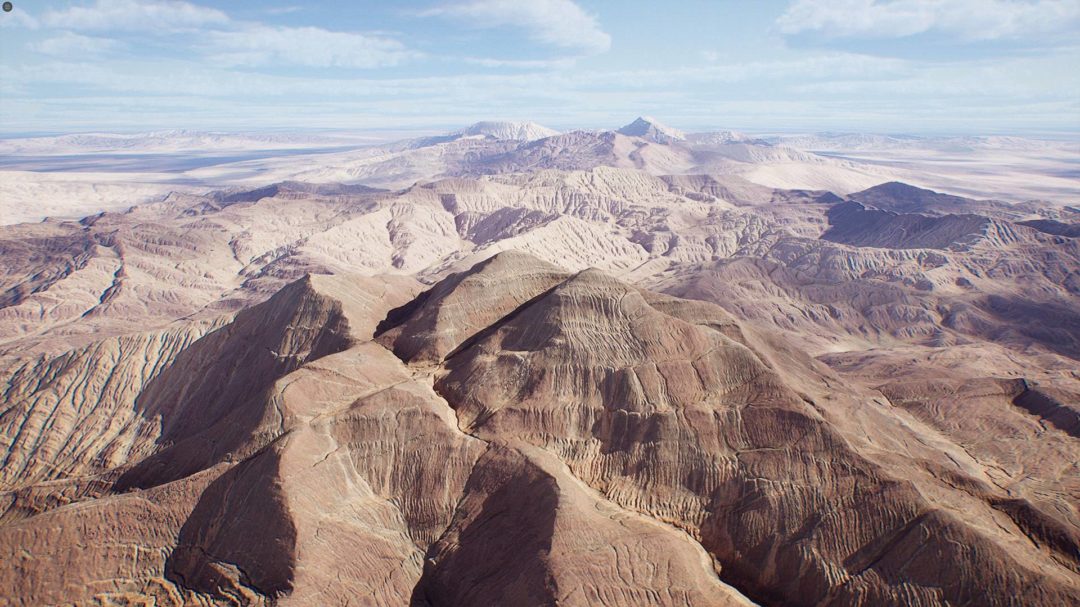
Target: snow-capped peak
<point x="648" y="128"/>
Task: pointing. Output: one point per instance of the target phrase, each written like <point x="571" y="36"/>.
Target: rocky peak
<point x="648" y="128"/>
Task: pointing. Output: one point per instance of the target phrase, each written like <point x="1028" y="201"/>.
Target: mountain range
<point x="73" y="175"/>
<point x="508" y="366"/>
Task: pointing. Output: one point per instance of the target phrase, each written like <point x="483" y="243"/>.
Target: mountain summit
<point x="648" y="128"/>
<point x="518" y="131"/>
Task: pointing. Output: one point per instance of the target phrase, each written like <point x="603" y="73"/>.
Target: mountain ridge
<point x="526" y="460"/>
<point x="593" y="368"/>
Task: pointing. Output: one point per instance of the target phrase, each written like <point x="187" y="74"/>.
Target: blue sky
<point x="915" y="66"/>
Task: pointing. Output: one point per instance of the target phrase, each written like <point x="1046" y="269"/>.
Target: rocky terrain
<point x="596" y="368"/>
<point x="75" y="175"/>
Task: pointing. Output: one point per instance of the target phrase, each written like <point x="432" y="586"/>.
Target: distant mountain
<point x="493" y="147"/>
<point x="49" y="176"/>
<point x="517" y="131"/>
<point x="648" y="128"/>
<point x="1057" y="228"/>
<point x="902" y="197"/>
<point x="497" y="131"/>
<point x="905" y="198"/>
<point x="852" y="223"/>
<point x="723" y="137"/>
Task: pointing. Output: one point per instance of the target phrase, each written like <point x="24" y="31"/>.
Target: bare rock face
<point x="86" y="399"/>
<point x="239" y="538"/>
<point x="528" y="532"/>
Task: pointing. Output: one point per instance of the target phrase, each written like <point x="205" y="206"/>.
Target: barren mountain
<point x="72" y="175"/>
<point x="506" y="147"/>
<point x="532" y="436"/>
<point x="572" y="369"/>
<point x="522" y="131"/>
<point x="852" y="223"/>
<point x="651" y="130"/>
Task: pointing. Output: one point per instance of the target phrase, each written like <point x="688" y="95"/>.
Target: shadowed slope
<point x="852" y="223"/>
<point x="218" y="531"/>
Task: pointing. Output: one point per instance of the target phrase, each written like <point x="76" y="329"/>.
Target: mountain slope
<point x="630" y="419"/>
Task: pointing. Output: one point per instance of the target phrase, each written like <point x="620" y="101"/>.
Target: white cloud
<point x="143" y="15"/>
<point x="284" y="10"/>
<point x="967" y="19"/>
<point x="205" y="79"/>
<point x="224" y="41"/>
<point x="559" y="23"/>
<point x="258" y="44"/>
<point x="72" y="45"/>
<point x="833" y="90"/>
<point x="18" y="18"/>
<point x="168" y="80"/>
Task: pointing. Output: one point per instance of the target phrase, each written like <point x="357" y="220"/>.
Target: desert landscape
<point x="482" y="303"/>
<point x="611" y="367"/>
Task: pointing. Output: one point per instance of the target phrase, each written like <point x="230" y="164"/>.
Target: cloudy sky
<point x="915" y="66"/>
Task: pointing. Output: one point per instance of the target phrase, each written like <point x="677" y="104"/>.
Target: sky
<point x="883" y="66"/>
